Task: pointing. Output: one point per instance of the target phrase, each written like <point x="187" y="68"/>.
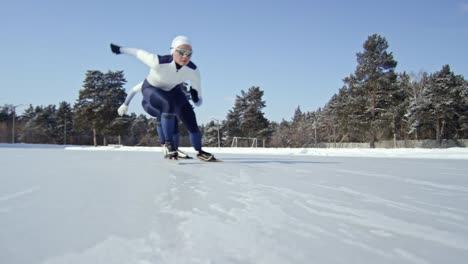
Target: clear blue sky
<point x="298" y="52"/>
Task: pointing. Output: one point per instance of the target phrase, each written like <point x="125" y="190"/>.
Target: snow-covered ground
<point x="128" y="205"/>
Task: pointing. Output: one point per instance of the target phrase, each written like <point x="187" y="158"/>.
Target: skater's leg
<point x="154" y="112"/>
<point x="175" y="136"/>
<point x="157" y="114"/>
<point x="162" y="100"/>
<point x="162" y="138"/>
<point x="168" y="123"/>
<point x="187" y="116"/>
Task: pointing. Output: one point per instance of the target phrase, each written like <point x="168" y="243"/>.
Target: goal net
<point x="244" y="142"/>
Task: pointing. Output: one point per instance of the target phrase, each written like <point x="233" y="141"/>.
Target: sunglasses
<point x="187" y="53"/>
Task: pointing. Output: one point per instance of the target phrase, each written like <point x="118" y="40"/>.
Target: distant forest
<point x="375" y="103"/>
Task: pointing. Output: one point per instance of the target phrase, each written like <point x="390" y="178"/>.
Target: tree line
<point x="375" y="103"/>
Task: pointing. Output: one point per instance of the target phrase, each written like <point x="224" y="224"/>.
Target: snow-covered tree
<point x="281" y="134"/>
<point x="210" y="134"/>
<point x="442" y="101"/>
<point x="464" y="116"/>
<point x="413" y="87"/>
<point x="41" y="126"/>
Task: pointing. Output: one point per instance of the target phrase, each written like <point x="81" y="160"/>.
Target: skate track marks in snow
<point x="134" y="207"/>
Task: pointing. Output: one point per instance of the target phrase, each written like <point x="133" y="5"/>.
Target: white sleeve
<point x="136" y="89"/>
<point x="150" y="59"/>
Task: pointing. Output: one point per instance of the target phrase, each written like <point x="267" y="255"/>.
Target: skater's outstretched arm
<point x="150" y="59"/>
<point x="124" y="107"/>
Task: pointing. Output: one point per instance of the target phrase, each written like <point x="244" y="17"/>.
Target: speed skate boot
<point x="164" y="149"/>
<point x="170" y="151"/>
<point x="182" y="155"/>
<point x="205" y="156"/>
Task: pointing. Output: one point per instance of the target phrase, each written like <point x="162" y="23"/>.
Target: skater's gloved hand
<point x="194" y="94"/>
<point x="186" y="90"/>
<point x="122" y="109"/>
<point x="115" y="48"/>
<point x="199" y="103"/>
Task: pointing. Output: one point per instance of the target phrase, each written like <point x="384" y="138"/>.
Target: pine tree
<point x="234" y="118"/>
<point x="211" y="136"/>
<point x="5" y="113"/>
<point x="413" y="87"/>
<point x="394" y="108"/>
<point x="355" y="114"/>
<point x="314" y="123"/>
<point x="330" y="118"/>
<point x="41" y="126"/>
<point x="140" y="131"/>
<point x="254" y="123"/>
<point x="120" y="126"/>
<point x="281" y="134"/>
<point x="64" y="122"/>
<point x="6" y="116"/>
<point x="337" y="116"/>
<point x="246" y="119"/>
<point x="442" y="101"/>
<point x="464" y="113"/>
<point x="304" y="128"/>
<point x="374" y="80"/>
<point x="98" y="102"/>
<point x="298" y="133"/>
<point x="298" y="116"/>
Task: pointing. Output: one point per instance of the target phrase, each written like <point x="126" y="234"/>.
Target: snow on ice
<point x="129" y="205"/>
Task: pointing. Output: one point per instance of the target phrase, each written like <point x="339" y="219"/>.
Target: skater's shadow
<point x="268" y="161"/>
<point x="276" y="161"/>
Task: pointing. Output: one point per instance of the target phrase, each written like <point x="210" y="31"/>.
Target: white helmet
<point x="179" y="40"/>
